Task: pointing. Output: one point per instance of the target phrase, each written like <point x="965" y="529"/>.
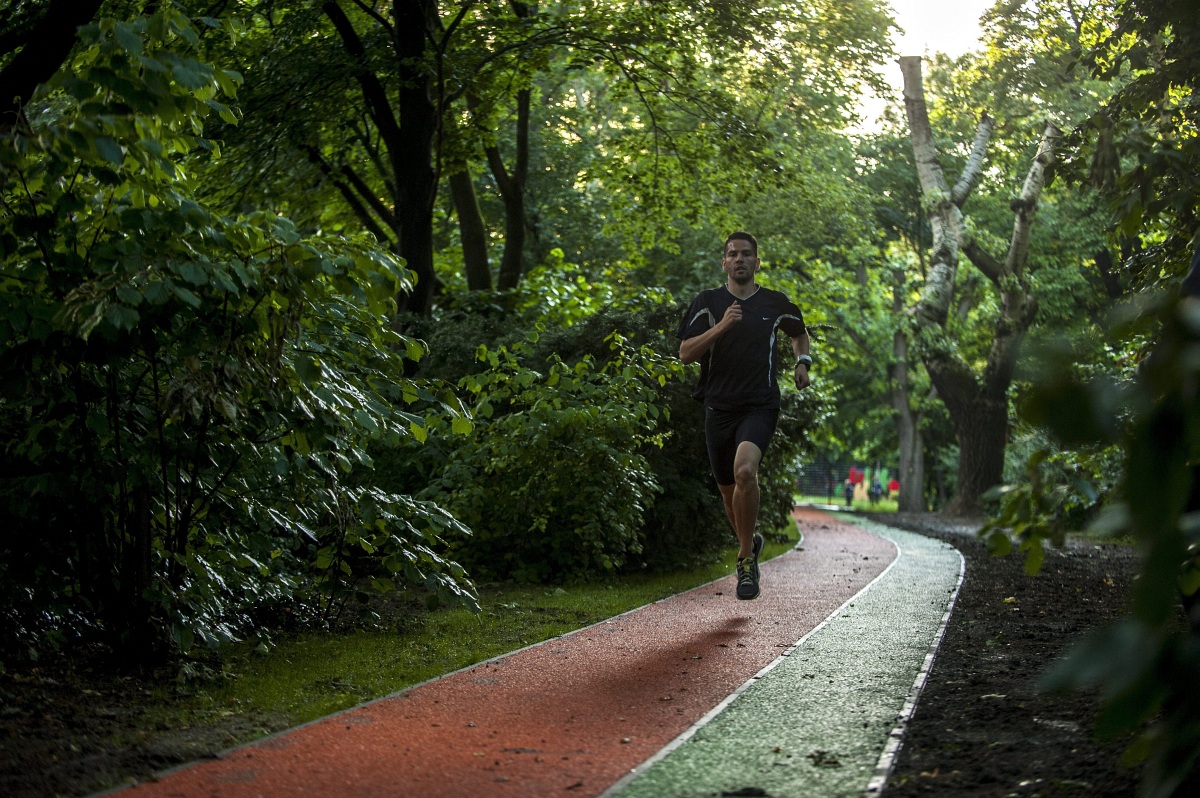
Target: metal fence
<point x="827" y="479"/>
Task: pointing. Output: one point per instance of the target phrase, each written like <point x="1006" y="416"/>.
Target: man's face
<point x="740" y="262"/>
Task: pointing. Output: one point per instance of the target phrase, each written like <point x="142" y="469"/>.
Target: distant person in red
<point x="731" y="331"/>
<point x="893" y="487"/>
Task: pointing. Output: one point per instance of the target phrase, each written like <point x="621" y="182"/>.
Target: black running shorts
<point x="724" y="430"/>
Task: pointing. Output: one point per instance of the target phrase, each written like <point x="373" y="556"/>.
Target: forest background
<point x="304" y="300"/>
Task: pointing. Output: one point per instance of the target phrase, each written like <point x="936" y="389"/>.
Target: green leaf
<point x="156" y="292"/>
<point x="998" y="543"/>
<point x="190" y="74"/>
<point x="121" y="317"/>
<point x="223" y="111"/>
<point x="129" y="39"/>
<point x="193" y="273"/>
<point x="1035" y="556"/>
<point x="129" y="295"/>
<point x="78" y="88"/>
<point x="308" y="369"/>
<point x="186" y="295"/>
<point x="184" y="638"/>
<point x="109" y="150"/>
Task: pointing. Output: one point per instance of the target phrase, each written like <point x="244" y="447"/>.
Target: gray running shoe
<point x="747" y="579"/>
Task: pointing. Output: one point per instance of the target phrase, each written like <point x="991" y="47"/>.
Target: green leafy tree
<point x="558" y="99"/>
<point x="186" y="395"/>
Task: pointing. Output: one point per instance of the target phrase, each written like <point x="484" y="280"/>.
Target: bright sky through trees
<point x="945" y="26"/>
<point x="930" y="26"/>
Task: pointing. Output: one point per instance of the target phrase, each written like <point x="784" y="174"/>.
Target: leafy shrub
<point x="1147" y="665"/>
<point x="183" y="394"/>
<point x="551" y="482"/>
<point x="604" y="471"/>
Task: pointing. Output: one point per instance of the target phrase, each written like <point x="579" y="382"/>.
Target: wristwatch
<point x="804" y="360"/>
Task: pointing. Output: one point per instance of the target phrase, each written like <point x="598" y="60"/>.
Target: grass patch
<point x="881" y="506"/>
<point x="314" y="674"/>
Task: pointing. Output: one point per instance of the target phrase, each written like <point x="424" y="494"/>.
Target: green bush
<point x="1147" y="665"/>
<point x="183" y="394"/>
<point x="588" y="455"/>
<point x="551" y="481"/>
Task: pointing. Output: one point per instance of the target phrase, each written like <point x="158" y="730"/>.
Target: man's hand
<point x="691" y="349"/>
<point x="802" y="380"/>
<point x="733" y="314"/>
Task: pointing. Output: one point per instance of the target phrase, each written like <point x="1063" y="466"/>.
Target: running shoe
<point x="747" y="579"/>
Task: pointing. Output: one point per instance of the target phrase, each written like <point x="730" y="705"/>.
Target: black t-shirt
<point x="739" y="372"/>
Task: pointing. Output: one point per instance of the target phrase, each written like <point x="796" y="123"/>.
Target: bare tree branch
<point x="1026" y="204"/>
<point x="992" y="268"/>
<point x="373" y="91"/>
<point x="973" y="170"/>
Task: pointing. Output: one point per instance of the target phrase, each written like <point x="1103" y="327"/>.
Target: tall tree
<point x="665" y="96"/>
<point x="977" y="402"/>
<point x="406" y="126"/>
<point x="907" y="414"/>
<point x="886" y="168"/>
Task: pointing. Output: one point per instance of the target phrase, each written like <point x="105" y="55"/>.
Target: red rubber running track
<point x="566" y="717"/>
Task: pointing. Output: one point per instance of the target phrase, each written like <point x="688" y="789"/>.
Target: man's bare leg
<point x="742" y="497"/>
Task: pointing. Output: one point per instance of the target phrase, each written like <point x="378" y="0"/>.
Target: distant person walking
<point x="731" y="331"/>
<point x="848" y="491"/>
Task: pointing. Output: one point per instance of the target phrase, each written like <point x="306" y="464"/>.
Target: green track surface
<point x="825" y="718"/>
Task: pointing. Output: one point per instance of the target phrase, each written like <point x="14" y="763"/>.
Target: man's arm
<point x="800" y="347"/>
<point x="692" y="349"/>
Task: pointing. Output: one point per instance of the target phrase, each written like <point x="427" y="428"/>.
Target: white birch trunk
<point x="977" y="403"/>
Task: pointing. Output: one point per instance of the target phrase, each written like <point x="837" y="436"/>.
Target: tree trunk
<point x="412" y="152"/>
<point x="408" y="132"/>
<point x="978" y="405"/>
<point x="908" y="421"/>
<point x="512" y="191"/>
<point x="982" y="438"/>
<point x="471" y="230"/>
<point x="512" y="184"/>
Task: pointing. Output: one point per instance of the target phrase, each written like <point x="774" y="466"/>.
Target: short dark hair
<point x="740" y="235"/>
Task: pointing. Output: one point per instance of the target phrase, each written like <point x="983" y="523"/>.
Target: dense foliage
<point x="184" y="392"/>
<point x="304" y="301"/>
<point x="1120" y="404"/>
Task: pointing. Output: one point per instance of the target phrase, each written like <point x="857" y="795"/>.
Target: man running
<point x="731" y="331"/>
